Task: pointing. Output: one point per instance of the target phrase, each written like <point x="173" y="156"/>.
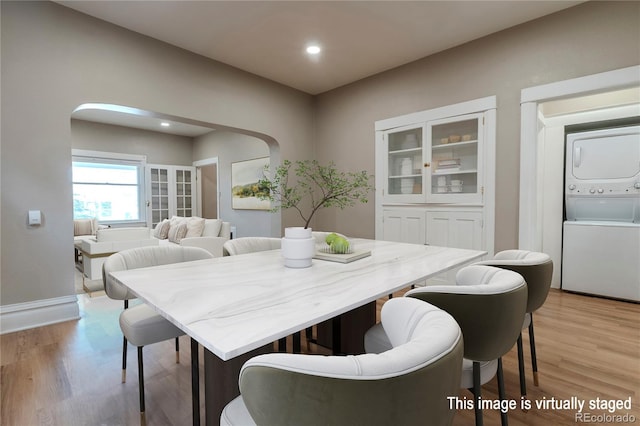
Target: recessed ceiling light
<point x="165" y="124"/>
<point x="313" y="49"/>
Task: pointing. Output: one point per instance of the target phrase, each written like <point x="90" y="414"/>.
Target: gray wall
<point x="55" y="59"/>
<point x="231" y="147"/>
<point x="590" y="38"/>
<point x="160" y="148"/>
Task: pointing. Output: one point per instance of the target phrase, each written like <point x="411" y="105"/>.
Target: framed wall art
<point x="245" y="190"/>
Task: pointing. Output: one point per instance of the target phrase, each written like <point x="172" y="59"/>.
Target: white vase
<point x="298" y="247"/>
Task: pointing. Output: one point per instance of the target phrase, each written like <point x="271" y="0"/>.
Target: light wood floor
<point x="69" y="373"/>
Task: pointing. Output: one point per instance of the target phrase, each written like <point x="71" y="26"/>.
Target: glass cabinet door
<point x="455" y="159"/>
<point x="405" y="164"/>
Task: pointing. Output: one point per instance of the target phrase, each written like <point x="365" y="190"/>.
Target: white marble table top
<point x="232" y="305"/>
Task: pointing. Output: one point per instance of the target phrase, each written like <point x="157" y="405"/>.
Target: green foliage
<point x="324" y="186"/>
<point x="250" y="190"/>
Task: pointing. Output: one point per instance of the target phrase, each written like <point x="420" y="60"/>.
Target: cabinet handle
<point x="427" y="164"/>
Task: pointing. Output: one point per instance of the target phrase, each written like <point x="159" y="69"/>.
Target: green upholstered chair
<point x="140" y="324"/>
<point x="537" y="270"/>
<point x="406" y="385"/>
<point x="489" y="304"/>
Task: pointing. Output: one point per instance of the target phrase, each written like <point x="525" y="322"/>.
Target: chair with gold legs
<point x="140" y="324"/>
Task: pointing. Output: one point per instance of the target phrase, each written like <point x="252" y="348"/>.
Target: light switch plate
<point x="35" y="217"/>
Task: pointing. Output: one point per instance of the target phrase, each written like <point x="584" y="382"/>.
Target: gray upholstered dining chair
<point x="489" y="304"/>
<point x="406" y="385"/>
<point x="537" y="270"/>
<point x="140" y="324"/>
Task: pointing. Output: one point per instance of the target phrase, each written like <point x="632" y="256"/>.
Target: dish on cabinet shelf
<point x="410" y="142"/>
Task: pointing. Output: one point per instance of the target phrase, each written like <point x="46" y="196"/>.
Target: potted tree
<point x="308" y="184"/>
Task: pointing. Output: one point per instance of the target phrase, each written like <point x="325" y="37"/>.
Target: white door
<point x="158" y="204"/>
<point x="170" y="192"/>
<point x="185" y="190"/>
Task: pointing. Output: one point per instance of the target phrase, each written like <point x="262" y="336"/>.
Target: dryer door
<point x="604" y="154"/>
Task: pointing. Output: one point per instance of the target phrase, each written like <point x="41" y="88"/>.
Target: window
<point x="108" y="186"/>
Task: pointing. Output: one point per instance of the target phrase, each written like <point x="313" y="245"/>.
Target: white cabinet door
<point x="453" y="229"/>
<point x="405" y="226"/>
<point x="454" y="159"/>
<point x="402" y="150"/>
<point x="459" y="229"/>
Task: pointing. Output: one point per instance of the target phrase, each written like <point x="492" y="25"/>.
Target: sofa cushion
<point x="195" y="227"/>
<point x="161" y="230"/>
<point x="177" y="232"/>
<point x="212" y="227"/>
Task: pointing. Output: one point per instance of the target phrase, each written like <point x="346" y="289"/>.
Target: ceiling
<point x="358" y="38"/>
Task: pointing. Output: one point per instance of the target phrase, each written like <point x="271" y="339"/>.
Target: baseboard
<point x="23" y="316"/>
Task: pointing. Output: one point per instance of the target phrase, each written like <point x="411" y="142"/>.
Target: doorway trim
<point x="528" y="236"/>
<point x="198" y="165"/>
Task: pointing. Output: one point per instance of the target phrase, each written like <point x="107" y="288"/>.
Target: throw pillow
<point x="195" y="226"/>
<point x="176" y="220"/>
<point x="161" y="230"/>
<point x="83" y="227"/>
<point x="177" y="232"/>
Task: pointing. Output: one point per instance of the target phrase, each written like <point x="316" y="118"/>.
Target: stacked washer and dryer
<point x="601" y="232"/>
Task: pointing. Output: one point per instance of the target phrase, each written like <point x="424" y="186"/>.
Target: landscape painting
<point x="245" y="190"/>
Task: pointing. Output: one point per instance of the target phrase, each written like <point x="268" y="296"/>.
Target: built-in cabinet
<point x="435" y="176"/>
<point x="171" y="191"/>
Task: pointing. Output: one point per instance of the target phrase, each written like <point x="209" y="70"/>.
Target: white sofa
<point x="209" y="234"/>
<point x="95" y="249"/>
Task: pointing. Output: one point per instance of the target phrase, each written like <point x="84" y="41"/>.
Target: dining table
<point x="237" y="306"/>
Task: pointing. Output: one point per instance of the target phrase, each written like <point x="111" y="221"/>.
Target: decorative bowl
<point x="326" y="248"/>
